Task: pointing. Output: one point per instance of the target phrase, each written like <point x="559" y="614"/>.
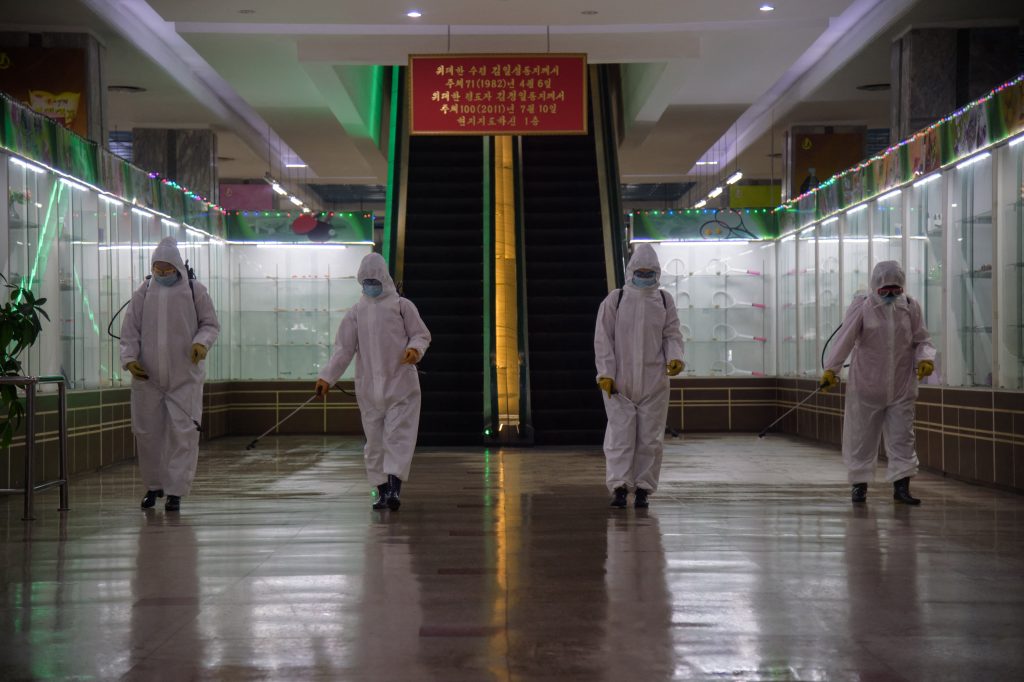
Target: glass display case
<point x="925" y="258"/>
<point x="887" y="228"/>
<point x="855" y="247"/>
<point x="807" y="301"/>
<point x="721" y="294"/>
<point x="32" y="220"/>
<point x="1011" y="266"/>
<point x="78" y="281"/>
<point x="970" y="265"/>
<point x="830" y="308"/>
<point x="789" y="330"/>
<point x="115" y="259"/>
<point x="290" y="301"/>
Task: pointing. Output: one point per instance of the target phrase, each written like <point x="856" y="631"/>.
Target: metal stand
<point x="29" y="384"/>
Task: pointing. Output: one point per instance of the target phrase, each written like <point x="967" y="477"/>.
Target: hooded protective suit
<point x="634" y="340"/>
<point x="160" y="325"/>
<point x="887" y="341"/>
<point x="378" y="331"/>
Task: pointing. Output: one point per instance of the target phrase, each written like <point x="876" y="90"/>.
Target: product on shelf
<point x="718" y="266"/>
<point x="723" y="299"/>
<point x="726" y="332"/>
<point x="728" y="369"/>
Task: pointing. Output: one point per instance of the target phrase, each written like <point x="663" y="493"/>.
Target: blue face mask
<point x="645" y="282"/>
<point x="167" y="280"/>
<point x="372" y="288"/>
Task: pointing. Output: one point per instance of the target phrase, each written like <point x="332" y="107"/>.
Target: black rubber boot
<point x="619" y="497"/>
<point x="173" y="503"/>
<point x="394" y="492"/>
<point x="901" y="492"/>
<point x="640" y="498"/>
<point x="149" y="501"/>
<point x="382" y="497"/>
<point x="859" y="492"/>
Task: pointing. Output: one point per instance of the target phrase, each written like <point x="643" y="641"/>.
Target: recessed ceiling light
<point x="874" y="87"/>
<point x="589" y="12"/>
<point x="414" y="14"/>
<point x="766" y="8"/>
<point x="131" y="89"/>
<point x="295" y="165"/>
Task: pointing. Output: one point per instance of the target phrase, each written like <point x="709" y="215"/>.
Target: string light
<point x="918" y="135"/>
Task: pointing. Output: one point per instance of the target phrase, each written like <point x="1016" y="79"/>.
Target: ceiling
<point x="285" y="82"/>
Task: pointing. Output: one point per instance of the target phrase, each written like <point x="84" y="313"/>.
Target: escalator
<point x="443" y="275"/>
<point x="565" y="283"/>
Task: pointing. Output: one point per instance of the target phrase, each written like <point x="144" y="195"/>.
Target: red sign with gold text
<point x="498" y="94"/>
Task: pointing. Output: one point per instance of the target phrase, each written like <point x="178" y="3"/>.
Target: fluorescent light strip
<point x="74" y="185"/>
<point x="807" y="229"/>
<point x="170" y="223"/>
<point x="856" y="209"/>
<point x="295" y="165"/>
<point x="701" y="204"/>
<point x="787" y="239"/>
<point x="279" y="189"/>
<point x="734" y="178"/>
<point x="142" y="212"/>
<point x="715" y="193"/>
<point x="891" y="195"/>
<point x="295" y="200"/>
<point x="28" y="166"/>
<point x="973" y="160"/>
<point x="833" y="219"/>
<point x="706" y="163"/>
<point x="1016" y="141"/>
<point x="931" y="178"/>
<point x="287" y="245"/>
<point x="111" y="200"/>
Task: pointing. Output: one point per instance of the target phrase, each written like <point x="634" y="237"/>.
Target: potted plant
<point x="19" y="328"/>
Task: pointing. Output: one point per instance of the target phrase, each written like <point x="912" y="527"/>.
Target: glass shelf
<point x="719" y="283"/>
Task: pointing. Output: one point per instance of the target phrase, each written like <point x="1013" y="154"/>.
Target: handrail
<point x="29" y="384"/>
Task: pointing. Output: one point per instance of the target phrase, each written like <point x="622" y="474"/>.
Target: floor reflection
<point x="638" y="626"/>
<point x="507" y="566"/>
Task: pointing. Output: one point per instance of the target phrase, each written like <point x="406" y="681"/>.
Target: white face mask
<point x="645" y="282"/>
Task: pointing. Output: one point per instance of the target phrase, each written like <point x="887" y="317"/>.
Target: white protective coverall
<point x="633" y="342"/>
<point x="887" y="341"/>
<point x="378" y="331"/>
<point x="160" y="325"/>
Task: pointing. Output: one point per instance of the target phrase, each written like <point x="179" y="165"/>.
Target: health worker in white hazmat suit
<point x="169" y="326"/>
<point x="892" y="351"/>
<point x="386" y="335"/>
<point x="637" y="346"/>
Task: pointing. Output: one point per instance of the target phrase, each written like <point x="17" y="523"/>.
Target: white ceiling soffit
<point x="845" y="37"/>
<point x="141" y="26"/>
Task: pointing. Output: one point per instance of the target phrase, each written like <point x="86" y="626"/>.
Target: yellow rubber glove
<point x="411" y="357"/>
<point x="829" y="380"/>
<point x="136" y="369"/>
<point x="925" y="369"/>
<point x="674" y="367"/>
<point x="322" y="388"/>
<point x="607" y="385"/>
<point x="198" y="353"/>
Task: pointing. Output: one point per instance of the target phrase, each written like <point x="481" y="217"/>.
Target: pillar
<point x="189" y="157"/>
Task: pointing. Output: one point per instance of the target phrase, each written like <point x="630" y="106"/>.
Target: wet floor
<point x="751" y="564"/>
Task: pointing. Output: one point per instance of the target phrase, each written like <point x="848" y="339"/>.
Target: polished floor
<point x="751" y="564"/>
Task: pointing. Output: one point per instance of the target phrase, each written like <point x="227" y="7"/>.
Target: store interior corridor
<point x="751" y="564"/>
